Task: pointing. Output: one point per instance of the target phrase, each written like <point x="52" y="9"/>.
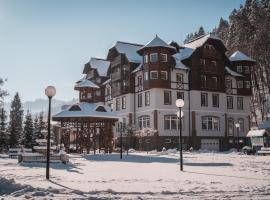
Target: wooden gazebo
<point x="93" y="123"/>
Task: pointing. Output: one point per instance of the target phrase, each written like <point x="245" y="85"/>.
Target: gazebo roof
<point x="85" y="110"/>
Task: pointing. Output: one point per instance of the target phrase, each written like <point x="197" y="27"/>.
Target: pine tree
<point x="15" y="123"/>
<point x="201" y="31"/>
<point x="3" y="93"/>
<point x="28" y="131"/>
<point x="35" y="131"/>
<point x="194" y="35"/>
<point x="41" y="126"/>
<point x="3" y="131"/>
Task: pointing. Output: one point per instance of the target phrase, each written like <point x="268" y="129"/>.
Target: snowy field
<point x="140" y="176"/>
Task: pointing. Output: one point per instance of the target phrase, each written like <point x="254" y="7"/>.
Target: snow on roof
<point x="184" y="53"/>
<point x="179" y="64"/>
<point x="137" y="68"/>
<point x="106" y="82"/>
<point x="86" y="110"/>
<point x="157" y="42"/>
<point x="239" y="56"/>
<point x="256" y="133"/>
<point x="101" y="65"/>
<point x="84" y="77"/>
<point x="130" y="50"/>
<point x="231" y="72"/>
<point x="198" y="42"/>
<point x="85" y="83"/>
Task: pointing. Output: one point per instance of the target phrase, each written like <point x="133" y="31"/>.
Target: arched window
<point x="101" y="109"/>
<point x="75" y="108"/>
<point x="230" y="126"/>
<point x="241" y="122"/>
<point x="144" y="121"/>
<point x="210" y="123"/>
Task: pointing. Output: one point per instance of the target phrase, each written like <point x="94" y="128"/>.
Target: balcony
<point x="116" y="76"/>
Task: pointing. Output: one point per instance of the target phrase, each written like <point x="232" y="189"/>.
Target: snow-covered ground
<point x="140" y="176"/>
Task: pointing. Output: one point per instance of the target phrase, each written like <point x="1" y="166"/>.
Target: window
<point x="144" y="122"/>
<point x="167" y="98"/>
<point x="168" y="141"/>
<point x="230" y="126"/>
<point x="202" y="61"/>
<point x="89" y="95"/>
<point x="153" y="57"/>
<point x="246" y="69"/>
<point x="240" y="103"/>
<point x="229" y="102"/>
<point x="145" y="59"/>
<point x="203" y="81"/>
<point x="146" y="76"/>
<point x="179" y="80"/>
<point x="204" y="99"/>
<point x="163" y="57"/>
<point x="210" y="123"/>
<point x="147" y="98"/>
<point x="139" y="100"/>
<point x="180" y="95"/>
<point x="117" y="104"/>
<point x="215" y="100"/>
<point x="247" y="84"/>
<point x="163" y="75"/>
<point x="153" y="74"/>
<point x="209" y="47"/>
<point x="228" y="84"/>
<point x="239" y="69"/>
<point x="240" y="84"/>
<point x="171" y="122"/>
<point x="214" y="63"/>
<point x="241" y="122"/>
<point x="124" y="104"/>
<point x="215" y="82"/>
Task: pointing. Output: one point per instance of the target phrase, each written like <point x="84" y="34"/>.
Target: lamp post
<point x="120" y="129"/>
<point x="237" y="125"/>
<point x="179" y="104"/>
<point x="50" y="92"/>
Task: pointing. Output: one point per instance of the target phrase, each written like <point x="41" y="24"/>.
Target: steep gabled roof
<point x="85" y="83"/>
<point x="184" y="53"/>
<point x="156" y="42"/>
<point x="130" y="50"/>
<point x="100" y="64"/>
<point x="239" y="56"/>
<point x="200" y="41"/>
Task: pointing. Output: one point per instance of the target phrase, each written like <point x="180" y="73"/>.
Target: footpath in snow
<point x="140" y="176"/>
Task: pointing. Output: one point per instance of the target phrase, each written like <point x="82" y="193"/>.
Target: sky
<point x="48" y="42"/>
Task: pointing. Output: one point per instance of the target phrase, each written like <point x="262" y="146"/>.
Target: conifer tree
<point x="16" y="120"/>
<point x="3" y="131"/>
<point x="28" y="131"/>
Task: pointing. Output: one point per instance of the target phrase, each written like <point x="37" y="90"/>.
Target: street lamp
<point x="179" y="104"/>
<point x="237" y="125"/>
<point x="50" y="92"/>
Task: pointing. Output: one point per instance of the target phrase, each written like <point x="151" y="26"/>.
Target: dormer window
<point x="145" y="59"/>
<point x="75" y="108"/>
<point x="239" y="69"/>
<point x="153" y="57"/>
<point x="163" y="57"/>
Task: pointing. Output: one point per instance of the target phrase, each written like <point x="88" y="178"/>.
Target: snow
<point x="130" y="50"/>
<point x="231" y="72"/>
<point x="239" y="56"/>
<point x="256" y="133"/>
<point x="101" y="65"/>
<point x="137" y="68"/>
<point x="178" y="60"/>
<point x="85" y="83"/>
<point x="86" y="110"/>
<point x="198" y="42"/>
<point x="157" y="42"/>
<point x="184" y="53"/>
<point x="140" y="175"/>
